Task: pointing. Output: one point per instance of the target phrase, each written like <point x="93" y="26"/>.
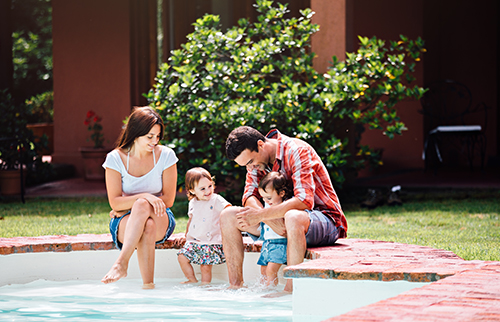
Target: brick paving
<point x="460" y="290"/>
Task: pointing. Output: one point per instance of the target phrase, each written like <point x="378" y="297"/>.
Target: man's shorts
<point x="114" y="223"/>
<point x="273" y="251"/>
<point x="322" y="230"/>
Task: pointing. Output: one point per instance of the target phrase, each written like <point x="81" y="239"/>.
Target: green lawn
<point x="469" y="227"/>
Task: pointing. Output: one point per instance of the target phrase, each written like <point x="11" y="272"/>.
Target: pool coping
<point x="460" y="290"/>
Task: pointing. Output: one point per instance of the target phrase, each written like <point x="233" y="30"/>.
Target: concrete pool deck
<point x="459" y="290"/>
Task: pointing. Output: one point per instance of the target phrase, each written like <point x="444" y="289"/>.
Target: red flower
<point x="93" y="122"/>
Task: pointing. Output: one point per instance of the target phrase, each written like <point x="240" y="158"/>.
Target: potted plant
<point x="17" y="145"/>
<point x="41" y="119"/>
<point x="94" y="156"/>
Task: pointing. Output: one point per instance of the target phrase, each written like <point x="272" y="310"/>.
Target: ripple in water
<point x="125" y="301"/>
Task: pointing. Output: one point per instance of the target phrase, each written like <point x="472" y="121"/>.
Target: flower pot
<point x="10" y="182"/>
<point x="39" y="129"/>
<point x="93" y="158"/>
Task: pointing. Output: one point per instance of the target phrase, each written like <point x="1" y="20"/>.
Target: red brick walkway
<point x="460" y="290"/>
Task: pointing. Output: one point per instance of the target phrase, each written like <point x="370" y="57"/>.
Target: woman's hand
<point x="158" y="205"/>
<point x="117" y="214"/>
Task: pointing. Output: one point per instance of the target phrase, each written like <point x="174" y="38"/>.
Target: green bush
<point x="17" y="142"/>
<point x="41" y="108"/>
<point x="31" y="47"/>
<point x="261" y="74"/>
<point x="16" y="138"/>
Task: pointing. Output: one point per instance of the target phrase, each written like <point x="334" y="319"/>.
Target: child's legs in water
<point x="187" y="269"/>
<point x="271" y="273"/>
<point x="206" y="274"/>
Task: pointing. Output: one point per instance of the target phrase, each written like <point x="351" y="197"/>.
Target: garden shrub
<point x="261" y="74"/>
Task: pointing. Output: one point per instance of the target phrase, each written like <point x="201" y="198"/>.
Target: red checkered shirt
<point x="299" y="162"/>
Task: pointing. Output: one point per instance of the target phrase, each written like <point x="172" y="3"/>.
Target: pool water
<point x="78" y="300"/>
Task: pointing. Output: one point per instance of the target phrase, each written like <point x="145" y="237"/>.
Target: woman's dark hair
<point x="278" y="182"/>
<point x="241" y="138"/>
<point x="193" y="176"/>
<point x="139" y="124"/>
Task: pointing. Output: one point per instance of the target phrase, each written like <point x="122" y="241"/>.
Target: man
<point x="312" y="217"/>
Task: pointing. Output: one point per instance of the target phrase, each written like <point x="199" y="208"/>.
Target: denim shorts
<point x="322" y="230"/>
<point x="273" y="251"/>
<point x="114" y="223"/>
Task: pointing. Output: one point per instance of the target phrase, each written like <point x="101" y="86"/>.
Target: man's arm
<point x="253" y="202"/>
<point x="273" y="216"/>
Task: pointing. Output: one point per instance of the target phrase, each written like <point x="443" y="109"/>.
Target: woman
<point x="141" y="178"/>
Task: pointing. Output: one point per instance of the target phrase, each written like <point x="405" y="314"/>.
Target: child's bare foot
<point x="148" y="286"/>
<point x="205" y="283"/>
<point x="190" y="281"/>
<point x="116" y="272"/>
<point x="236" y="287"/>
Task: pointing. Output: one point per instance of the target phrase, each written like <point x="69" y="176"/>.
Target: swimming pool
<point x="66" y="286"/>
<point x="75" y="300"/>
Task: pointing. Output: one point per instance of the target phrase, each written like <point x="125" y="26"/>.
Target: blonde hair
<point x="193" y="176"/>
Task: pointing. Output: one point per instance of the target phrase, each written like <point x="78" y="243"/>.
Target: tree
<point x="31" y="47"/>
<point x="260" y="74"/>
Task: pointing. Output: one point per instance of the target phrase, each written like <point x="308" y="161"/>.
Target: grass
<point x="38" y="217"/>
<point x="467" y="225"/>
<point x="469" y="228"/>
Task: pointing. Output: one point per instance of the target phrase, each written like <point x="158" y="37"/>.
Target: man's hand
<point x="278" y="225"/>
<point x="247" y="217"/>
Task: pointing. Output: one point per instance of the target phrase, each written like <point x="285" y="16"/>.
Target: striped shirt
<point x="300" y="163"/>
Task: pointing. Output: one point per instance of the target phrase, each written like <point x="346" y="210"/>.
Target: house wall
<point x="333" y="38"/>
<point x="91" y="71"/>
<point x="92" y="62"/>
<point x="387" y="19"/>
<point x="341" y="21"/>
<point x="462" y="45"/>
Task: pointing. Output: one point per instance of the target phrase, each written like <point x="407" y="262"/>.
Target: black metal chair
<point x="452" y="123"/>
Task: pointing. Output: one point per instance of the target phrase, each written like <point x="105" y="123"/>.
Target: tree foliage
<point x="261" y="74"/>
<point x="31" y="47"/>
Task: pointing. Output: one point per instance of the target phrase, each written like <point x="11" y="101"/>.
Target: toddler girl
<point x="203" y="236"/>
<point x="274" y="189"/>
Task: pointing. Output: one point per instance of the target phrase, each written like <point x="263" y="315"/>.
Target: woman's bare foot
<point x="190" y="281"/>
<point x="116" y="272"/>
<point x="148" y="286"/>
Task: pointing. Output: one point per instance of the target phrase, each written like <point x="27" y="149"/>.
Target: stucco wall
<point x="91" y="71"/>
<point x="387" y="20"/>
<point x="341" y="21"/>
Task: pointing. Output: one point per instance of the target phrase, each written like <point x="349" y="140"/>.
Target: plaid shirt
<point x="299" y="162"/>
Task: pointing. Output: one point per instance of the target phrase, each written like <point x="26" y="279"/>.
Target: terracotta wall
<point x="462" y="45"/>
<point x="334" y="36"/>
<point x="388" y="19"/>
<point x="91" y="71"/>
<point x="341" y="21"/>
